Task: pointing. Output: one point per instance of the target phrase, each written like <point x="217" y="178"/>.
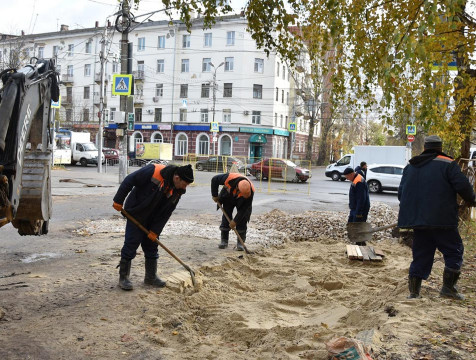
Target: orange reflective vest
<point x="158" y="179"/>
<point x="357" y="179"/>
<point x="234" y="189"/>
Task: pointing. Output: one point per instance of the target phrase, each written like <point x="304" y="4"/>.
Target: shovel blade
<point x="359" y="232"/>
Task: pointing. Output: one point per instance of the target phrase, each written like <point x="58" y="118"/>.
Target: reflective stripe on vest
<point x="357" y="179"/>
<point x="158" y="179"/>
<point x="233" y="176"/>
<point x="443" y="158"/>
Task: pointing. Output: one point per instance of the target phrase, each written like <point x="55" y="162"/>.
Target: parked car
<point x="279" y="169"/>
<point x="384" y="177"/>
<point x="219" y="163"/>
<point x="111" y="155"/>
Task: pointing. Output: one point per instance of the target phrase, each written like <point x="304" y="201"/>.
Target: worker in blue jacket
<point x="428" y="205"/>
<point x="152" y="195"/>
<point x="359" y="201"/>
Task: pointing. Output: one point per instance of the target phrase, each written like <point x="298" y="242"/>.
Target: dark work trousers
<point x="228" y="205"/>
<point x="425" y="243"/>
<point x="353" y="218"/>
<point x="135" y="237"/>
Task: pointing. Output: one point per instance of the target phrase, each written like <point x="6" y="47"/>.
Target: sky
<point x="40" y="16"/>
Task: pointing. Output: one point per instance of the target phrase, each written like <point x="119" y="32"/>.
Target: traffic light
<point x="130" y="122"/>
<point x="106" y="116"/>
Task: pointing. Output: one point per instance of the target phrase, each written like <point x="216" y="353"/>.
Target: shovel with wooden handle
<point x="236" y="231"/>
<point x="362" y="231"/>
<point x="140" y="226"/>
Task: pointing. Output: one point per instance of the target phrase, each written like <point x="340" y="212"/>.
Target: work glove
<point x="152" y="235"/>
<point x="233" y="224"/>
<point x="215" y="198"/>
<point x="117" y="206"/>
<point x="359" y="216"/>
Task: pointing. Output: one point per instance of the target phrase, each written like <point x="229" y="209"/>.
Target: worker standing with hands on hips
<point x="237" y="192"/>
<point x="152" y="195"/>
<point x="428" y="205"/>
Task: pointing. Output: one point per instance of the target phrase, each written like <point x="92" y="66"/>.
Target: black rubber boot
<point x="224" y="239"/>
<point x="414" y="285"/>
<point x="124" y="272"/>
<point x="240" y="247"/>
<point x="450" y="278"/>
<point x="151" y="273"/>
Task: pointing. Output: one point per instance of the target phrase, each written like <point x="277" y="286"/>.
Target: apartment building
<point x="182" y="82"/>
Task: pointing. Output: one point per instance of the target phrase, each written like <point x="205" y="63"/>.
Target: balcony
<point x="138" y="99"/>
<point x="67" y="101"/>
<point x="97" y="78"/>
<point x="139" y="75"/>
<point x="97" y="99"/>
<point x="67" y="79"/>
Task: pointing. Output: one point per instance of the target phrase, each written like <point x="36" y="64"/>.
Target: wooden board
<point x="364" y="253"/>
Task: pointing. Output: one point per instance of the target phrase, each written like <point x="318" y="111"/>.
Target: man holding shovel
<point x="428" y="205"/>
<point x="237" y="192"/>
<point x="359" y="201"/>
<point x="152" y="195"/>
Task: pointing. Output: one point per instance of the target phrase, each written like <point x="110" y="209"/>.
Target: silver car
<point x="384" y="177"/>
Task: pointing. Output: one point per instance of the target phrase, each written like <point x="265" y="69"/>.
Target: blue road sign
<point x="121" y="84"/>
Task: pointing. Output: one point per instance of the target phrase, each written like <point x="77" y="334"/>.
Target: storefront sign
<point x="281" y="132"/>
<point x="258" y="138"/>
<point x="256" y="130"/>
<point x="192" y="128"/>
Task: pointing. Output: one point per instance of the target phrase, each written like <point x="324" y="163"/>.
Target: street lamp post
<point x="214" y="94"/>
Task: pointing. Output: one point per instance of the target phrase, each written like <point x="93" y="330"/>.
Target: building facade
<point x="183" y="81"/>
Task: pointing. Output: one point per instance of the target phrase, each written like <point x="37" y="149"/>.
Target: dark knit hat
<point x="185" y="172"/>
<point x="348" y="171"/>
<point x="433" y="142"/>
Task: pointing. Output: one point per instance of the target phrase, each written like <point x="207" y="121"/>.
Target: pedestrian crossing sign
<point x="214" y="127"/>
<point x="292" y="127"/>
<point x="121" y="84"/>
<point x="411" y="129"/>
<point x="56" y="104"/>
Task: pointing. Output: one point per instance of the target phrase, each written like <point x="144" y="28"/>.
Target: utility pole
<point x="215" y="95"/>
<point x="122" y="132"/>
<point x="102" y="59"/>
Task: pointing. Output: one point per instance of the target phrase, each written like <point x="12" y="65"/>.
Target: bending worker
<point x="428" y="205"/>
<point x="237" y="192"/>
<point x="154" y="192"/>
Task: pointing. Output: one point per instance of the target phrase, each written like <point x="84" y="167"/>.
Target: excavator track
<point x="34" y="209"/>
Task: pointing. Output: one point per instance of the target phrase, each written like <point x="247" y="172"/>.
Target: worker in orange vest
<point x="237" y="192"/>
<point x="152" y="195"/>
<point x="359" y="201"/>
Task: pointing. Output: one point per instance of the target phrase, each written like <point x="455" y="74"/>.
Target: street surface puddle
<point x="39" y="257"/>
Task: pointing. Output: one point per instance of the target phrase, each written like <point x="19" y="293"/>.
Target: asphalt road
<point x="83" y="194"/>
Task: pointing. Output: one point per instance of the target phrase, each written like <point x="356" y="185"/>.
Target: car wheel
<point x="258" y="175"/>
<point x="335" y="176"/>
<point x="303" y="180"/>
<point x="374" y="186"/>
<point x="199" y="167"/>
<point x="83" y="162"/>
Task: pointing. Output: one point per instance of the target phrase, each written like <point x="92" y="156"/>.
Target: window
<point x="159" y="89"/>
<point x="87" y="70"/>
<point x="206" y="64"/>
<point x="204" y="115"/>
<point x="281" y="122"/>
<point x="275" y="119"/>
<point x="55" y="50"/>
<point x="86" y="92"/>
<point x="277" y="69"/>
<point x="141" y="44"/>
<point x="69" y="70"/>
<point x="256" y="117"/>
<point x="69" y="115"/>
<point x="206" y="90"/>
<point x="230" y="38"/>
<point x="286" y="122"/>
<point x="111" y="116"/>
<point x="158" y="114"/>
<point x="161" y="42"/>
<point x="185" y="65"/>
<point x="259" y="65"/>
<point x="282" y="96"/>
<point x="182" y="144"/>
<point x="186" y="41"/>
<point x="229" y="63"/>
<point x="203" y="145"/>
<point x="115" y="67"/>
<point x="88" y="47"/>
<point x="138" y="115"/>
<point x="277" y="94"/>
<point x="207" y="40"/>
<point x="41" y="52"/>
<point x="227" y="90"/>
<point x="160" y="65"/>
<point x="70" y="49"/>
<point x="257" y="91"/>
<point x="284" y="72"/>
<point x="184" y="90"/>
<point x="140" y="69"/>
<point x="157" y="138"/>
<point x="287" y="97"/>
<point x="227" y="115"/>
<point x="85" y="114"/>
<point x="183" y="115"/>
<point x="58" y="69"/>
